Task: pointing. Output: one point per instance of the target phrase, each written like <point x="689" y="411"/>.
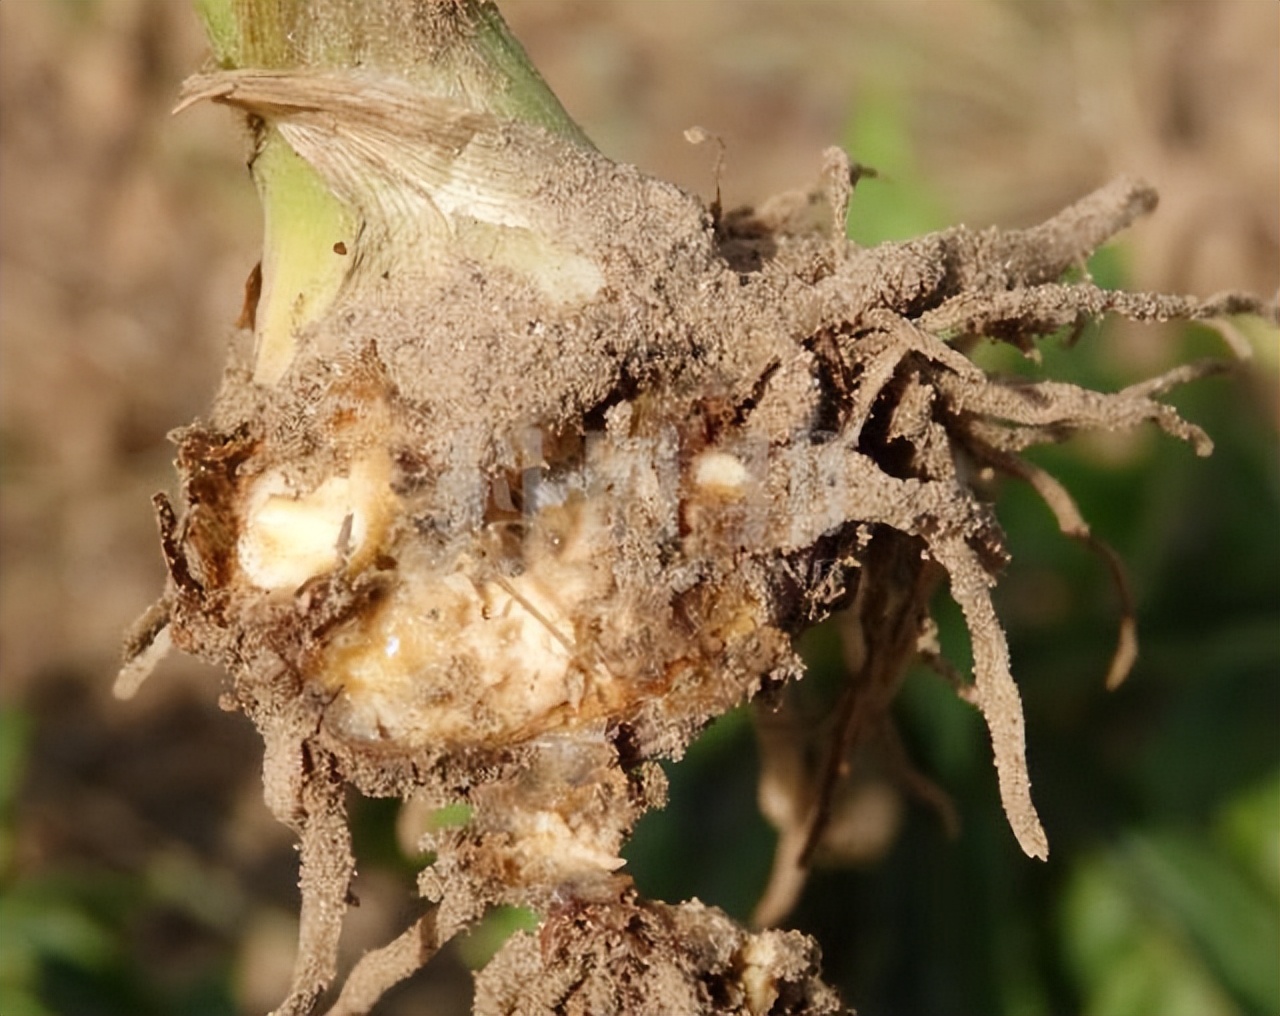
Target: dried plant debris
<point x="556" y="476"/>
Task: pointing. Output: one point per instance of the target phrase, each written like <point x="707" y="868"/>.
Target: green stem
<point x="456" y="50"/>
<point x="461" y="49"/>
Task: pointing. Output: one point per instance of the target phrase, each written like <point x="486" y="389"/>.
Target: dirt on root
<point x="737" y="421"/>
<point x="126" y="236"/>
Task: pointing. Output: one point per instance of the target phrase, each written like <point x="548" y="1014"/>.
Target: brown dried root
<point x="384" y="968"/>
<point x="556" y="477"/>
<point x="810" y="799"/>
<point x="1071" y="523"/>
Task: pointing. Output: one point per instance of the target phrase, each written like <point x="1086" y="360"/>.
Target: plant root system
<point x="502" y="527"/>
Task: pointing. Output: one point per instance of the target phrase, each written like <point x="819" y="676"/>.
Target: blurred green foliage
<point x="77" y="939"/>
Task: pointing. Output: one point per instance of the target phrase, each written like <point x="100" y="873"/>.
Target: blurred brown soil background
<point x="125" y="237"/>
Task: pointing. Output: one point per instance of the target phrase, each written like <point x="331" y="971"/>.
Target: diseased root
<point x="504" y="525"/>
<point x="619" y="958"/>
